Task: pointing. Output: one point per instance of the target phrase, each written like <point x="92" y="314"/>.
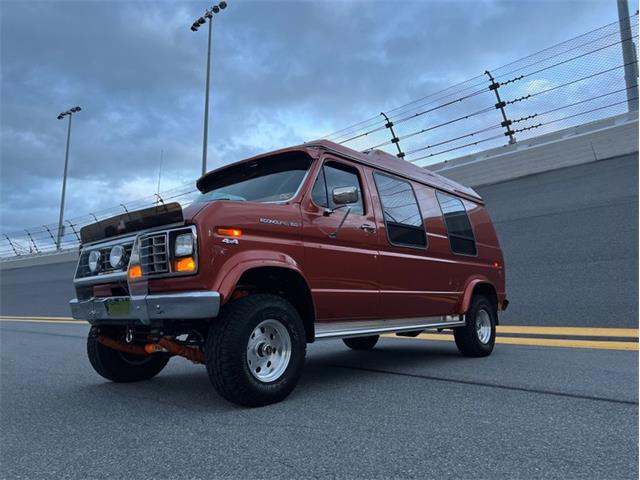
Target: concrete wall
<point x="44" y="259"/>
<point x="607" y="138"/>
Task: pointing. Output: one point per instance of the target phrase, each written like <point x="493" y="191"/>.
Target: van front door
<point x="340" y="243"/>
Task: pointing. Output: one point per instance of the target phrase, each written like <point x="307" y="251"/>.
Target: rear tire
<point x="122" y="367"/>
<point x="266" y="330"/>
<point x="477" y="338"/>
<point x="361" y="343"/>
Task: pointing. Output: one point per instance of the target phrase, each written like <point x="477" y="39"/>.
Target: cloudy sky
<point x="283" y="72"/>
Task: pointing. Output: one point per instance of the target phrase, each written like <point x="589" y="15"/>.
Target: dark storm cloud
<point x="284" y="72"/>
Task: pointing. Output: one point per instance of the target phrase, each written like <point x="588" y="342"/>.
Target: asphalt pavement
<point x="570" y="242"/>
<point x="408" y="409"/>
<point x="550" y="402"/>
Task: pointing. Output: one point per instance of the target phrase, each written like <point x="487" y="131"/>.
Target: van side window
<point x="334" y="175"/>
<point x="402" y="217"/>
<point x="319" y="192"/>
<point x="459" y="228"/>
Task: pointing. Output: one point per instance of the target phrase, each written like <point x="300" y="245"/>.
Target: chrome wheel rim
<point x="483" y="326"/>
<point x="268" y="351"/>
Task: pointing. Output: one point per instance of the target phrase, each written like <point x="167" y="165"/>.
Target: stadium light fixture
<point x="208" y="15"/>
<point x="69" y="113"/>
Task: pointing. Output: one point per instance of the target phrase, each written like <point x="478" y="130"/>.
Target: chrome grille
<point x="106" y="268"/>
<point x="154" y="254"/>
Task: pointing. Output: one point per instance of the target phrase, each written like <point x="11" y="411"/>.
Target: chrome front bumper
<point x="147" y="309"/>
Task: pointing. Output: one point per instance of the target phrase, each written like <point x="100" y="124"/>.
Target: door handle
<point x="368" y="228"/>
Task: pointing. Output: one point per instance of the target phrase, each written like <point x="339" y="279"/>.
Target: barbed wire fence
<point x="42" y="240"/>
<point x="571" y="83"/>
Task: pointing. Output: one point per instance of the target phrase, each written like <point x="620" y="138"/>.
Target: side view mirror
<point x="344" y="195"/>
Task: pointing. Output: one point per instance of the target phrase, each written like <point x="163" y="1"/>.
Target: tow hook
<point x="129" y="336"/>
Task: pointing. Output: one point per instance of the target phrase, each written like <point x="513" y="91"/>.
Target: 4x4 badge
<point x="231" y="241"/>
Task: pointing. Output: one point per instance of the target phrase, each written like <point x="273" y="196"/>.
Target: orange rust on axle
<point x="122" y="347"/>
<point x="181" y="350"/>
<point x="163" y="343"/>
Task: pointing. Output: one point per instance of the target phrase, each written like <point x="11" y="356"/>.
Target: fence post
<point x="628" y="55"/>
<point x="74" y="230"/>
<point x="13" y="247"/>
<point x="125" y="209"/>
<point x="33" y="241"/>
<point x="506" y="123"/>
<point x="51" y="235"/>
<point x="94" y="217"/>
<point x="394" y="138"/>
<point x="160" y="200"/>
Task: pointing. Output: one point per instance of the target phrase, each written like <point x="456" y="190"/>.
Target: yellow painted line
<point x="570" y="331"/>
<point x="561" y="342"/>
<point x="4" y="317"/>
<point x="539" y="342"/>
<point x="542" y="342"/>
<point x="41" y="320"/>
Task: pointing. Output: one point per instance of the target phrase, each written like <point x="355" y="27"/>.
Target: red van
<point x="307" y="243"/>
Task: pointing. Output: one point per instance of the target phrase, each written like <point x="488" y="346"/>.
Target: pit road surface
<point x="409" y="408"/>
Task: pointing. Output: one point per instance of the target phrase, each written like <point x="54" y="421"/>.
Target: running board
<point x="362" y="328"/>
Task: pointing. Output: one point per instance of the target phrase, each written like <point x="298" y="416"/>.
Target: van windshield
<point x="271" y="179"/>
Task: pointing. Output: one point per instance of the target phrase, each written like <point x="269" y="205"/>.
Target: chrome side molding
<point x="357" y="328"/>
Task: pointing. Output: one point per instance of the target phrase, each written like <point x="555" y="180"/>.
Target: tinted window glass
<point x="319" y="192"/>
<point x="455" y="217"/>
<point x="401" y="212"/>
<point x="270" y="179"/>
<point x="337" y="175"/>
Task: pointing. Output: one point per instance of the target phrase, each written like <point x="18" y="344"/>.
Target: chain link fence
<point x="571" y="83"/>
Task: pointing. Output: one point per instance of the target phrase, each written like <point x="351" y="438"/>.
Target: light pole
<point x="208" y="15"/>
<point x="628" y="55"/>
<point x="69" y="113"/>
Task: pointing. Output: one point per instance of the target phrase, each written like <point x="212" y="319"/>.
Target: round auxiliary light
<point x="94" y="261"/>
<point x="116" y="256"/>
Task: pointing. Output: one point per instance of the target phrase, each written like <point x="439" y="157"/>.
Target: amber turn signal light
<point x="229" y="232"/>
<point x="186" y="264"/>
<point x="135" y="271"/>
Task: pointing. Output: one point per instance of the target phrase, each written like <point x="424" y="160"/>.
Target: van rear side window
<point x="402" y="215"/>
<point x="459" y="228"/>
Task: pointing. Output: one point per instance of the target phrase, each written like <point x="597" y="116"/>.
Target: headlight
<point x="184" y="245"/>
<point x="94" y="261"/>
<point x="116" y="256"/>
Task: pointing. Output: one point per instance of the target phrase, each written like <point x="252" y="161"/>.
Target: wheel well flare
<point x="284" y="282"/>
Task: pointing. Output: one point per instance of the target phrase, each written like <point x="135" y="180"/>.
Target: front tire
<point x="122" y="367"/>
<point x="361" y="343"/>
<point x="477" y="338"/>
<point x="255" y="351"/>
